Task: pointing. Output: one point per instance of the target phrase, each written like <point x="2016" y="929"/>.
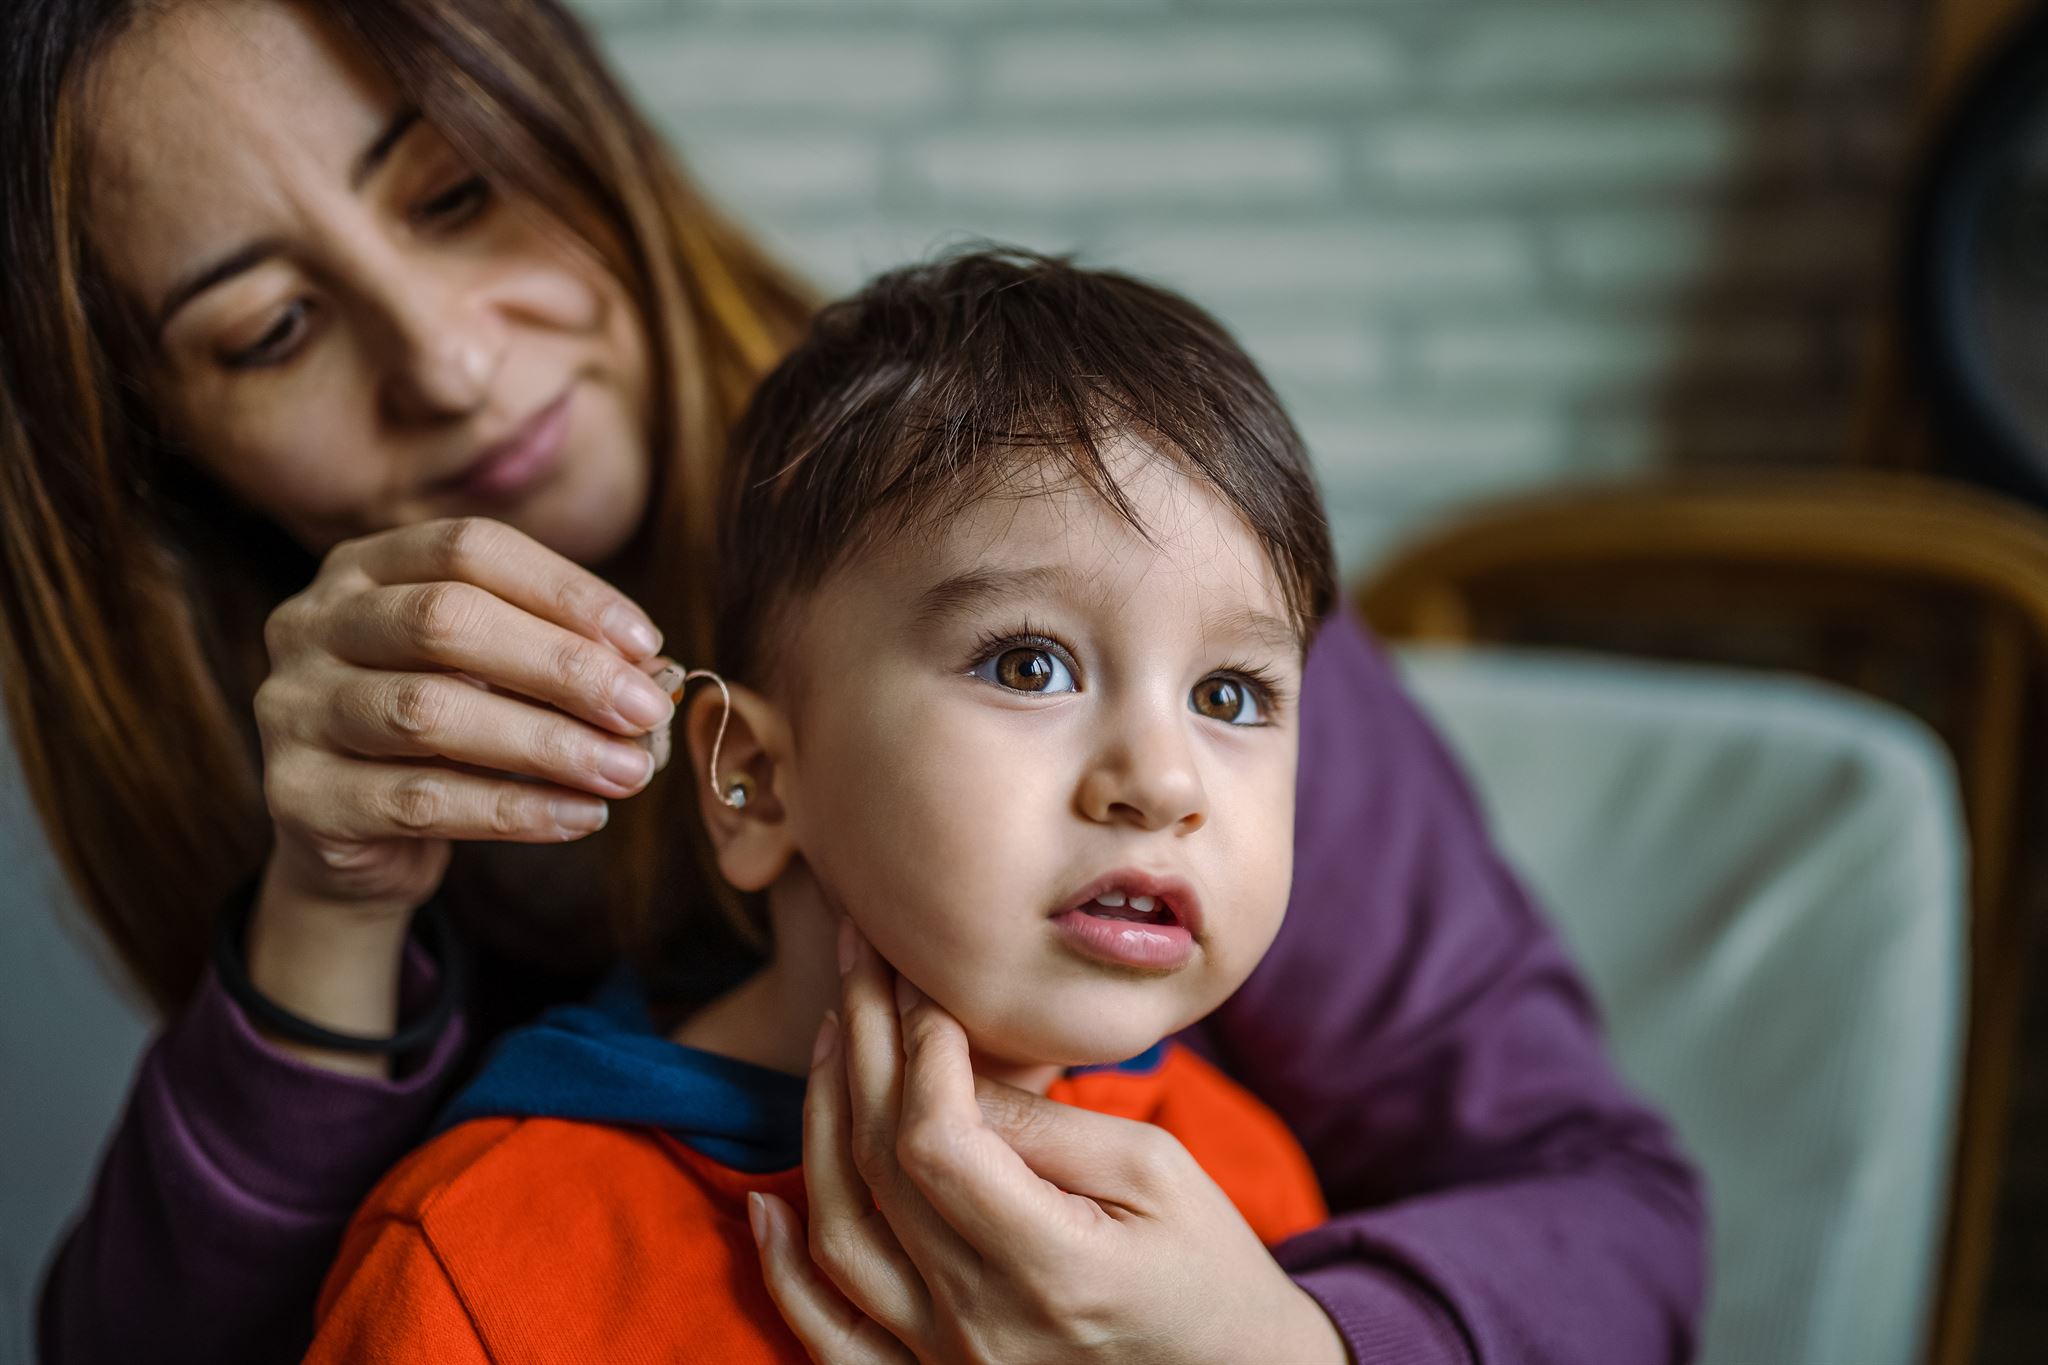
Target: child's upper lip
<point x="1174" y="893"/>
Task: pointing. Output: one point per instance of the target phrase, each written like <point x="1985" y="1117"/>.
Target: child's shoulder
<point x="582" y="1229"/>
<point x="515" y="1165"/>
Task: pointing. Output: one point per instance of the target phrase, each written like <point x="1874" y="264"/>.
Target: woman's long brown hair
<point x="135" y="590"/>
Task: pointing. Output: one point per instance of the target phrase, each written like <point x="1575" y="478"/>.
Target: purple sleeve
<point x="1499" y="1195"/>
<point x="225" y="1190"/>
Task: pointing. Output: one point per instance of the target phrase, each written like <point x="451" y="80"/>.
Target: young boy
<point x="1021" y="562"/>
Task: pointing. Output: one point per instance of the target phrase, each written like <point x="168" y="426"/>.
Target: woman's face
<point x="348" y="328"/>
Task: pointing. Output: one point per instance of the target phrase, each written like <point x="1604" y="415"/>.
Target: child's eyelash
<point x="1026" y="635"/>
<point x="1273" y="694"/>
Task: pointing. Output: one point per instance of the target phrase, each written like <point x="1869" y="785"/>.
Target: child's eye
<point x="1231" y="700"/>
<point x="1026" y="668"/>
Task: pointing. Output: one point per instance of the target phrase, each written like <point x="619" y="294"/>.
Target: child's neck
<point x="771" y="1019"/>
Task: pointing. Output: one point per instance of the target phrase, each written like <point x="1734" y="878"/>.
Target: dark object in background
<point x="1976" y="286"/>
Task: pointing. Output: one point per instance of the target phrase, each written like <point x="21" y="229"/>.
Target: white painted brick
<point x="1438" y="449"/>
<point x="1439" y="260"/>
<point x="1077" y="168"/>
<point x="1578" y="49"/>
<point x="765" y="171"/>
<point x="1586" y="352"/>
<point x="1295" y="351"/>
<point x="602" y="13"/>
<point x="843" y="251"/>
<point x="964" y="11"/>
<point x="686" y="70"/>
<point x="1277" y="62"/>
<point x="1493" y="155"/>
<point x="1804" y="247"/>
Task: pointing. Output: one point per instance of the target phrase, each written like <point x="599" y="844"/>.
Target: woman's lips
<point x="505" y="469"/>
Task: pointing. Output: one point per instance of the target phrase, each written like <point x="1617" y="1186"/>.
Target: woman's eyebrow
<point x="378" y="151"/>
<point x="252" y="254"/>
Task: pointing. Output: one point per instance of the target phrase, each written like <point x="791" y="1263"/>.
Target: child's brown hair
<point x="939" y="383"/>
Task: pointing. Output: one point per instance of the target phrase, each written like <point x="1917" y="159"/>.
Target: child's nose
<point x="1145" y="777"/>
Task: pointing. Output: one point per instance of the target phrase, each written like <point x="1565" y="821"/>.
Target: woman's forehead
<point x="212" y="124"/>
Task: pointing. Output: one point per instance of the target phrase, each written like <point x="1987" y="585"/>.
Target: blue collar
<point x="604" y="1062"/>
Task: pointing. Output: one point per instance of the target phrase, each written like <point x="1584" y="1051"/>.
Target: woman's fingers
<point x="354" y="800"/>
<point x="1112" y="1161"/>
<point x="849" y="1238"/>
<point x="463" y="627"/>
<point x="968" y="1174"/>
<point x="514" y="566"/>
<point x="874" y="1082"/>
<point x="832" y="1330"/>
<point x="378" y="714"/>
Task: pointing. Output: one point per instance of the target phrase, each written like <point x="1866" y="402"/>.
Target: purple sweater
<point x="1499" y="1196"/>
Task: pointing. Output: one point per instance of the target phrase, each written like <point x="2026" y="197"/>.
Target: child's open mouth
<point x="1137" y="909"/>
<point x="1133" y="919"/>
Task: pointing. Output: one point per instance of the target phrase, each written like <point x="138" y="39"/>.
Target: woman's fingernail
<point x="847" y="946"/>
<point x="828" y="1034"/>
<point x="757" y="1217"/>
<point x="632" y="632"/>
<point x="579" y="817"/>
<point x="906" y="994"/>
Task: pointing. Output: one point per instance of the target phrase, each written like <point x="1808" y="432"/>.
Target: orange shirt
<point x="540" y="1239"/>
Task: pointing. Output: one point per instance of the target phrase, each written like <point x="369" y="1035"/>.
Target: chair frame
<point x="1825" y="548"/>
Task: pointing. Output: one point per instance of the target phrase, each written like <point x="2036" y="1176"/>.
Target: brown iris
<point x="1219" y="698"/>
<point x="1027" y="670"/>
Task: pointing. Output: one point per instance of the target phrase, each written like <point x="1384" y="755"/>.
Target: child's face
<point x="1031" y="704"/>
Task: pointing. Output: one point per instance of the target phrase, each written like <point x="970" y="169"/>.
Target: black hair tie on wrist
<point x="441" y="941"/>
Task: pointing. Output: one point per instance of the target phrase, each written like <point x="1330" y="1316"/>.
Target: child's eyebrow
<point x="975" y="589"/>
<point x="1260" y="627"/>
<point x="978" y="589"/>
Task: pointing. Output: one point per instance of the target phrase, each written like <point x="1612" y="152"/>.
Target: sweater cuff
<point x="1384" y="1318"/>
<point x="284" y="1131"/>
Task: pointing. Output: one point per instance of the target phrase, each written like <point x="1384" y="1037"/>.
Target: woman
<point x="352" y="354"/>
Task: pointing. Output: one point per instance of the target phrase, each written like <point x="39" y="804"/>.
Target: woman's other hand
<point x="446" y="680"/>
<point x="954" y="1220"/>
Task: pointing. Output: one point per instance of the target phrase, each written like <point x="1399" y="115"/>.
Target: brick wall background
<point x="1480" y="245"/>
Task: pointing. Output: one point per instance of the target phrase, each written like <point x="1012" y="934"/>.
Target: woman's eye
<point x="457" y="204"/>
<point x="1226" y="699"/>
<point x="1027" y="669"/>
<point x="276" y="344"/>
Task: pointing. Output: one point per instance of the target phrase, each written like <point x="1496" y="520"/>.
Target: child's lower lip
<point x="1126" y="943"/>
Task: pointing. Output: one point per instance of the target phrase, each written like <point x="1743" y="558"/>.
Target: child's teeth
<point x="1113" y="898"/>
<point x="1142" y="904"/>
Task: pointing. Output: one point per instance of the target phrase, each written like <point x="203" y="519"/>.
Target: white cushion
<point x="1764" y="878"/>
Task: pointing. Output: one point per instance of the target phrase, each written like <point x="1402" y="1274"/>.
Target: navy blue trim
<point x="1144" y="1064"/>
<point x="603" y="1062"/>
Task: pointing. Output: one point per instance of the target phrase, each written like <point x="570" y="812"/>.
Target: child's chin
<point x="1055" y="1047"/>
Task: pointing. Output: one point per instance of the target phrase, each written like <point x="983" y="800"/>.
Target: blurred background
<point x="1668" y="367"/>
<point x="1479" y="246"/>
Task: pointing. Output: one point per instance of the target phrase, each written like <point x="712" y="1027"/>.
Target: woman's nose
<point x="1144" y="776"/>
<point x="447" y="358"/>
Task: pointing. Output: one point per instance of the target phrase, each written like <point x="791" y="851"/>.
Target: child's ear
<point x="753" y="842"/>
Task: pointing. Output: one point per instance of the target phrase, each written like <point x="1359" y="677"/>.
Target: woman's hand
<point x="441" y="681"/>
<point x="959" y="1221"/>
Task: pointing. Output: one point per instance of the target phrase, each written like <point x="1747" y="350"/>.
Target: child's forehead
<point x="1055" y="539"/>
